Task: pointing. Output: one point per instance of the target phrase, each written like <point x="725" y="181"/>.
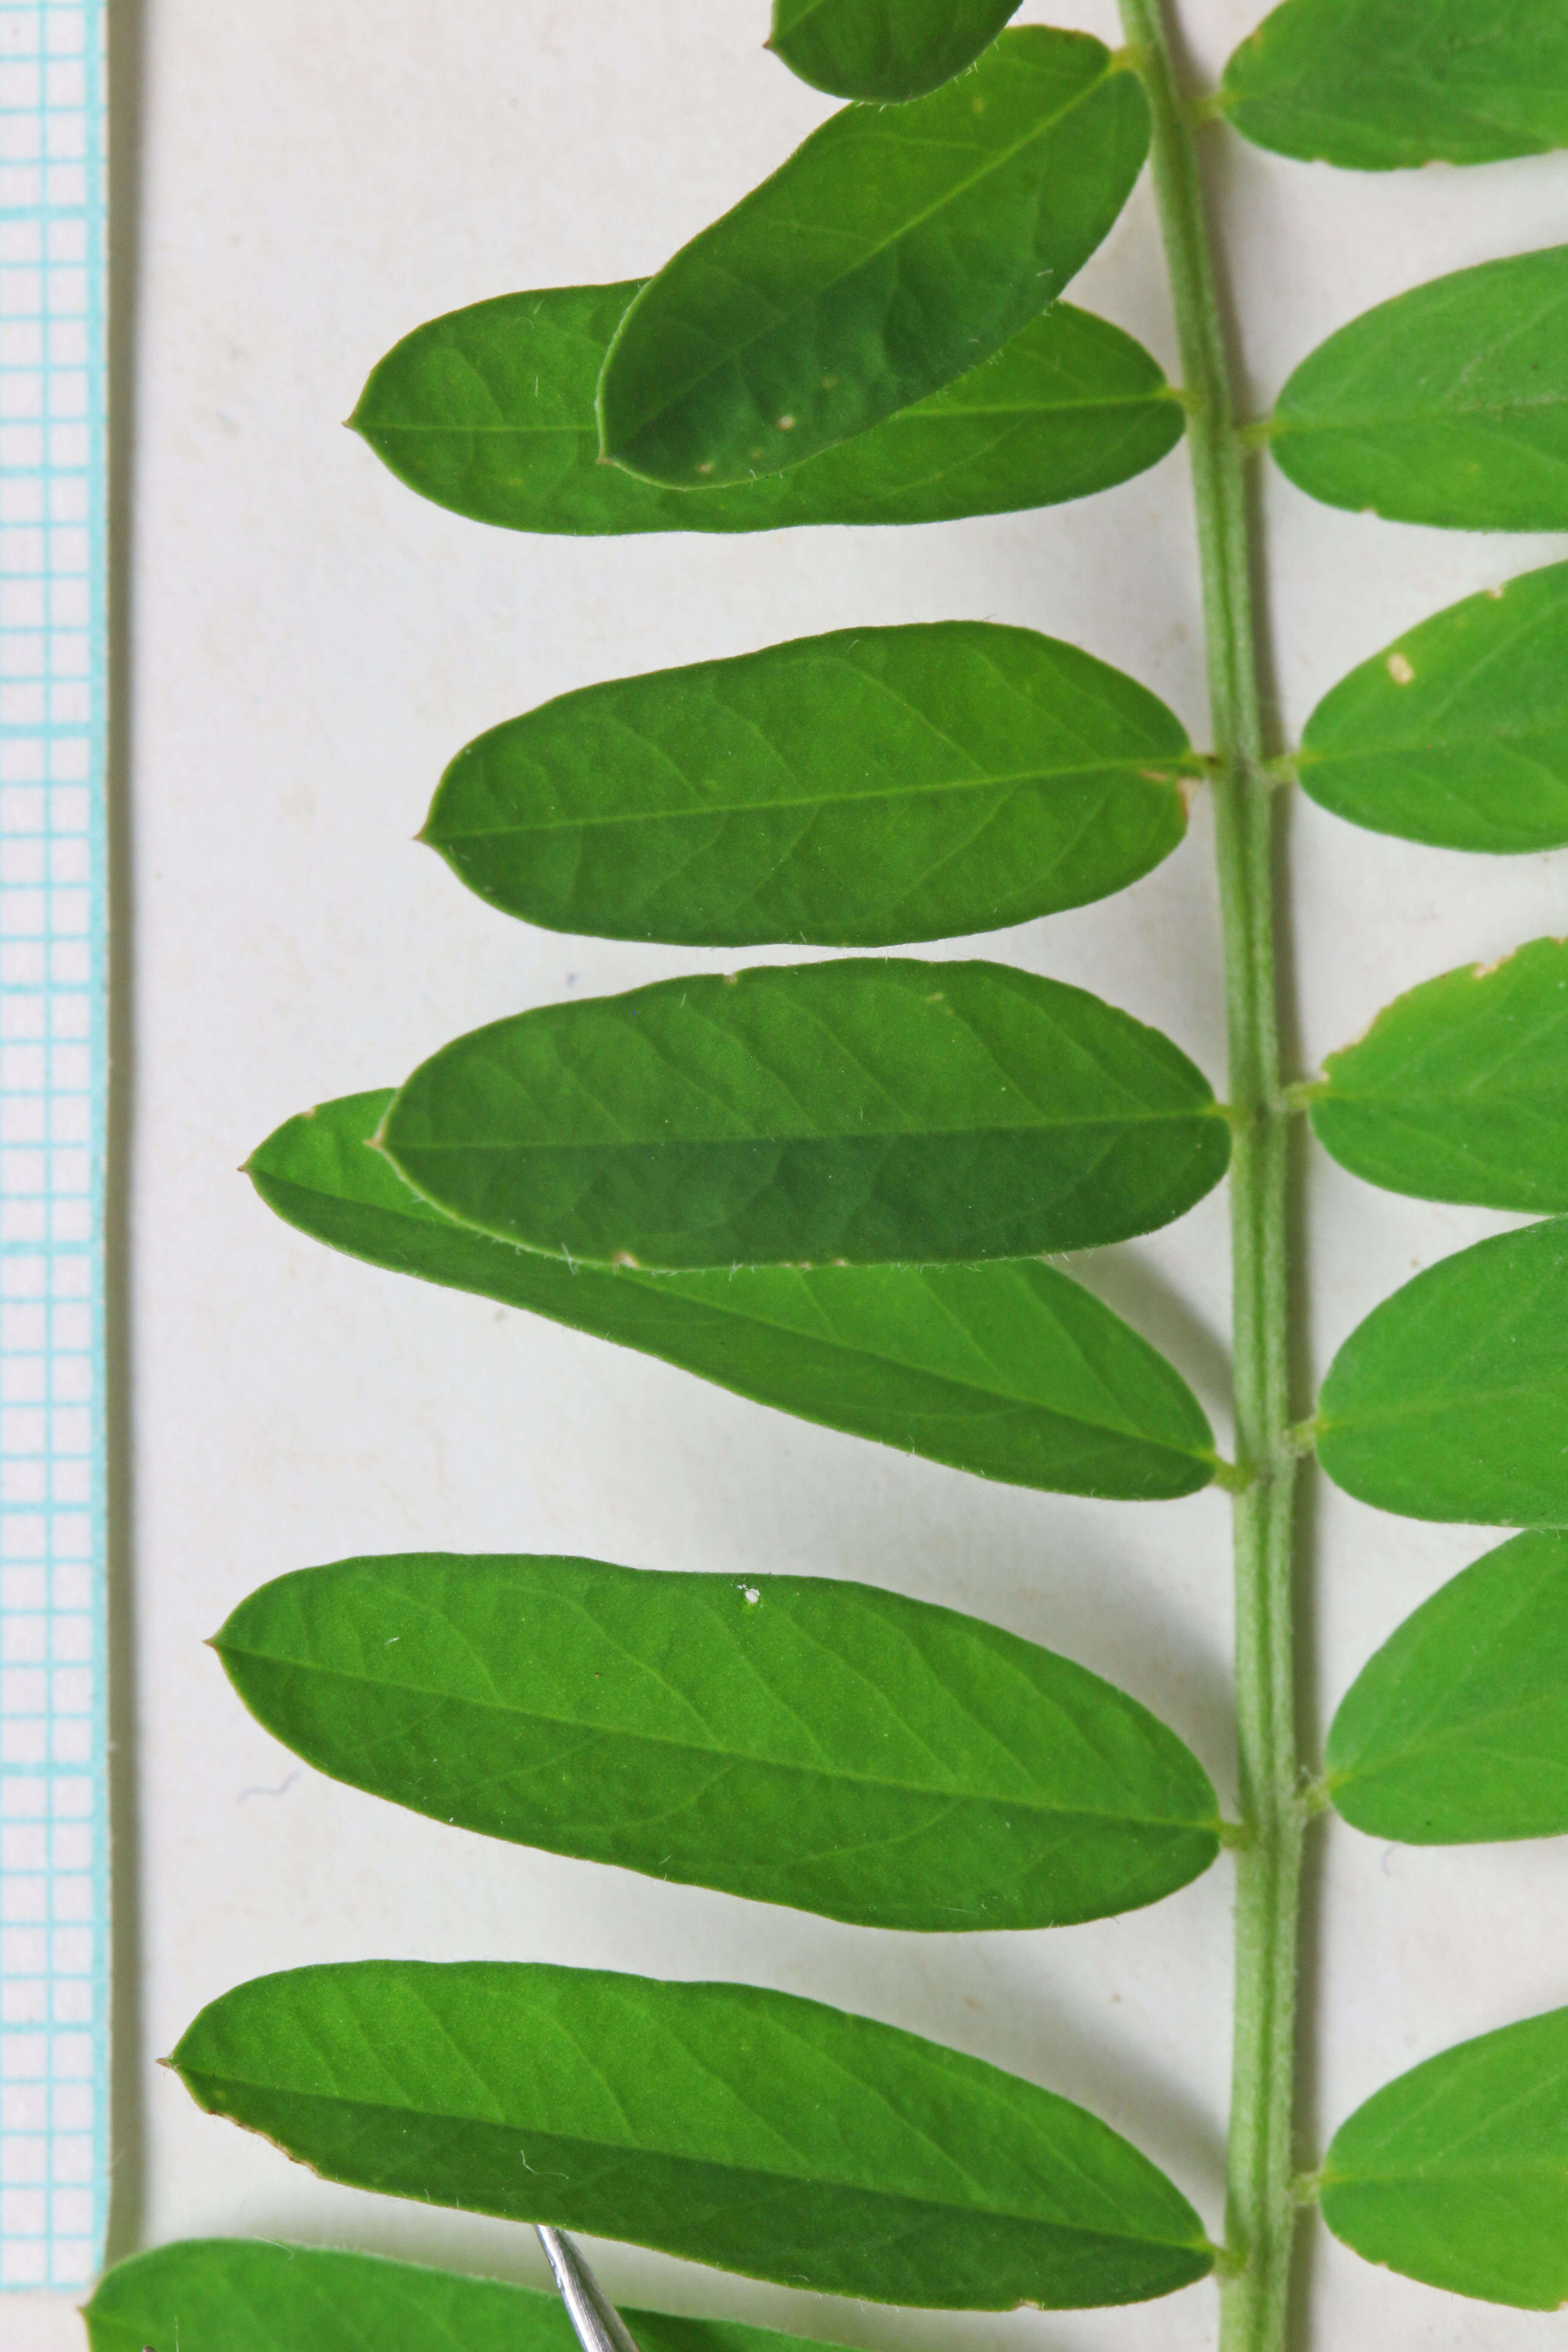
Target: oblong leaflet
<point x="1447" y="406"/>
<point x="1378" y="86"/>
<point x="792" y="1739"/>
<point x="754" y="2129"/>
<point x="896" y="249"/>
<point x="1456" y="2174"/>
<point x="1458" y="1091"/>
<point x="1008" y="1371"/>
<point x="1458" y="733"/>
<point x="855" y="1112"/>
<point x="490" y="412"/>
<point x="1450" y="1400"/>
<point x="1456" y="1731"/>
<point x="248" y="2294"/>
<point x="885" y="51"/>
<point x="858" y="790"/>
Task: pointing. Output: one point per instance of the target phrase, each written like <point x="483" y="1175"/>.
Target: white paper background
<point x="310" y="642"/>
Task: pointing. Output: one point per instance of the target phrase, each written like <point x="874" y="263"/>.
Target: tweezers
<point x="596" y="2322"/>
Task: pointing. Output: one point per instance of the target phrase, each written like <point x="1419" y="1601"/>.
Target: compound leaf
<point x="854" y="790"/>
<point x="1456" y="1731"/>
<point x="1450" y="1401"/>
<point x="791" y="1738"/>
<point x="1458" y="734"/>
<point x="892" y="252"/>
<point x="1460" y="1089"/>
<point x="1376" y="85"/>
<point x="848" y="1113"/>
<point x="239" y="2295"/>
<point x="490" y="411"/>
<point x="1447" y="406"/>
<point x="1456" y="2174"/>
<point x="884" y="50"/>
<point x="1006" y="1371"/>
<point x="752" y="2129"/>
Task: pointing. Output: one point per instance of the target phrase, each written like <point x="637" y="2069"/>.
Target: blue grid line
<point x="54" y="1882"/>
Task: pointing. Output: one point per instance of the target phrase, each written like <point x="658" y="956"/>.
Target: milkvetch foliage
<point x="1456" y="1731"/>
<point x="1010" y="1369"/>
<point x="801" y="1741"/>
<point x="859" y="789"/>
<point x="887" y="49"/>
<point x="832" y="1187"/>
<point x="490" y="411"/>
<point x="893" y="251"/>
<point x="1460" y="1090"/>
<point x="1455" y="2173"/>
<point x="1440" y="406"/>
<point x="867" y="1112"/>
<point x="243" y="2294"/>
<point x="1448" y="1402"/>
<point x="710" y="2117"/>
<point x="1457" y="735"/>
<point x="1376" y="85"/>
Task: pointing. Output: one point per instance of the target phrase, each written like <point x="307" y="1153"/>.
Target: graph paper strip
<point x="54" y="1878"/>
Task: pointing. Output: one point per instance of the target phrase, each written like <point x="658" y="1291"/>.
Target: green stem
<point x="1261" y="2204"/>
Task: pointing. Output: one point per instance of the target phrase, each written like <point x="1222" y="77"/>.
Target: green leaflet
<point x="875" y="1111"/>
<point x="1460" y="1089"/>
<point x="490" y="411"/>
<point x="237" y="2294"/>
<point x="854" y="790"/>
<point x="883" y="49"/>
<point x="1457" y="2173"/>
<point x="791" y="1738"/>
<point x="1010" y="1371"/>
<point x="1446" y="406"/>
<point x="1458" y="734"/>
<point x="1377" y="84"/>
<point x="1456" y="1731"/>
<point x="752" y="2130"/>
<point x="892" y="252"/>
<point x="1450" y="1401"/>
